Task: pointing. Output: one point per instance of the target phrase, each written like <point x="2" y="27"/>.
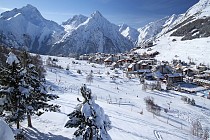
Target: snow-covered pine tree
<point x="197" y="129"/>
<point x="89" y="77"/>
<point x="38" y="96"/>
<point x="13" y="90"/>
<point x="22" y="91"/>
<point x="89" y="119"/>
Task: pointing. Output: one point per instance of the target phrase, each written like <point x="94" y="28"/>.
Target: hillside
<point x="186" y="37"/>
<point x="123" y="101"/>
<point x="153" y="29"/>
<point x="129" y="32"/>
<point x="194" y="23"/>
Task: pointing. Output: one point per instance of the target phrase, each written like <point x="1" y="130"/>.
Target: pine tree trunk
<point x="18" y="124"/>
<point x="91" y="133"/>
<point x="29" y="120"/>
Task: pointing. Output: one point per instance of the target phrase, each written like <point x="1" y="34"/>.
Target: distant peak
<point x="76" y="18"/>
<point x="29" y="6"/>
<point x="30" y="11"/>
<point x="124" y="25"/>
<point x="96" y="14"/>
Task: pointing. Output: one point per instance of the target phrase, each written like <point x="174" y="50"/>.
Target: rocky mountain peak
<point x="76" y="19"/>
<point x="96" y="14"/>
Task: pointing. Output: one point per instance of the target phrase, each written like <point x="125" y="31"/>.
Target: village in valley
<point x="178" y="75"/>
<point x="173" y="94"/>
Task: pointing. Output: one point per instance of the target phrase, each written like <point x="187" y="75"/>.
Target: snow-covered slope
<point x="197" y="11"/>
<point x="194" y="23"/>
<point x="149" y="31"/>
<point x="129" y="32"/>
<point x="189" y="25"/>
<point x="96" y="34"/>
<point x="122" y="100"/>
<point x="168" y="25"/>
<point x="197" y="50"/>
<point x="186" y="36"/>
<point x="6" y="132"/>
<point x="26" y="27"/>
<point x="74" y="22"/>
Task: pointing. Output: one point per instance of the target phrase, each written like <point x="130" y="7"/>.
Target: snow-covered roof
<point x="190" y="68"/>
<point x="159" y="75"/>
<point x="131" y="65"/>
<point x="146" y="61"/>
<point x="201" y="75"/>
<point x="195" y="89"/>
<point x="108" y="59"/>
<point x="207" y="71"/>
<point x="114" y="63"/>
<point x="144" y="70"/>
<point x="121" y="60"/>
<point x="174" y="75"/>
<point x="144" y="64"/>
<point x="202" y="81"/>
<point x="191" y="87"/>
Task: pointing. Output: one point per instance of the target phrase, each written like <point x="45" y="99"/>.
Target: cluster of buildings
<point x="145" y="65"/>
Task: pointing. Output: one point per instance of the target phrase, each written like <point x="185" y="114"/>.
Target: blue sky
<point x="135" y="13"/>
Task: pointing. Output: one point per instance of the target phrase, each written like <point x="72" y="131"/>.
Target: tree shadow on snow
<point x="34" y="134"/>
<point x="202" y="107"/>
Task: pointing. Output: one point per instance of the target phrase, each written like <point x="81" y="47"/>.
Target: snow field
<point x="122" y="100"/>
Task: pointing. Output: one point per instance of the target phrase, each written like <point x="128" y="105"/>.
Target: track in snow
<point x="157" y="135"/>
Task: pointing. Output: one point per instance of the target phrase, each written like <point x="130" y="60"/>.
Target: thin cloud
<point x="3" y="9"/>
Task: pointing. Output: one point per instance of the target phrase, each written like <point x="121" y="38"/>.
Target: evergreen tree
<point x="192" y="102"/>
<point x="158" y="86"/>
<point x="89" y="77"/>
<point x="205" y="133"/>
<point x="13" y="90"/>
<point x="38" y="96"/>
<point x="144" y="86"/>
<point x="197" y="129"/>
<point x="89" y="119"/>
<point x="22" y="90"/>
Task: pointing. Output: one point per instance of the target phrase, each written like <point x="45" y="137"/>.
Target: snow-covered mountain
<point x="149" y="31"/>
<point x="26" y="27"/>
<point x="197" y="11"/>
<point x="96" y="34"/>
<point x="129" y="32"/>
<point x="168" y="24"/>
<point x="74" y="22"/>
<point x="187" y="36"/>
<point x="194" y="23"/>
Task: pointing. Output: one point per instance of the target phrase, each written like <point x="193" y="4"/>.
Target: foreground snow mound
<point x="5" y="131"/>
